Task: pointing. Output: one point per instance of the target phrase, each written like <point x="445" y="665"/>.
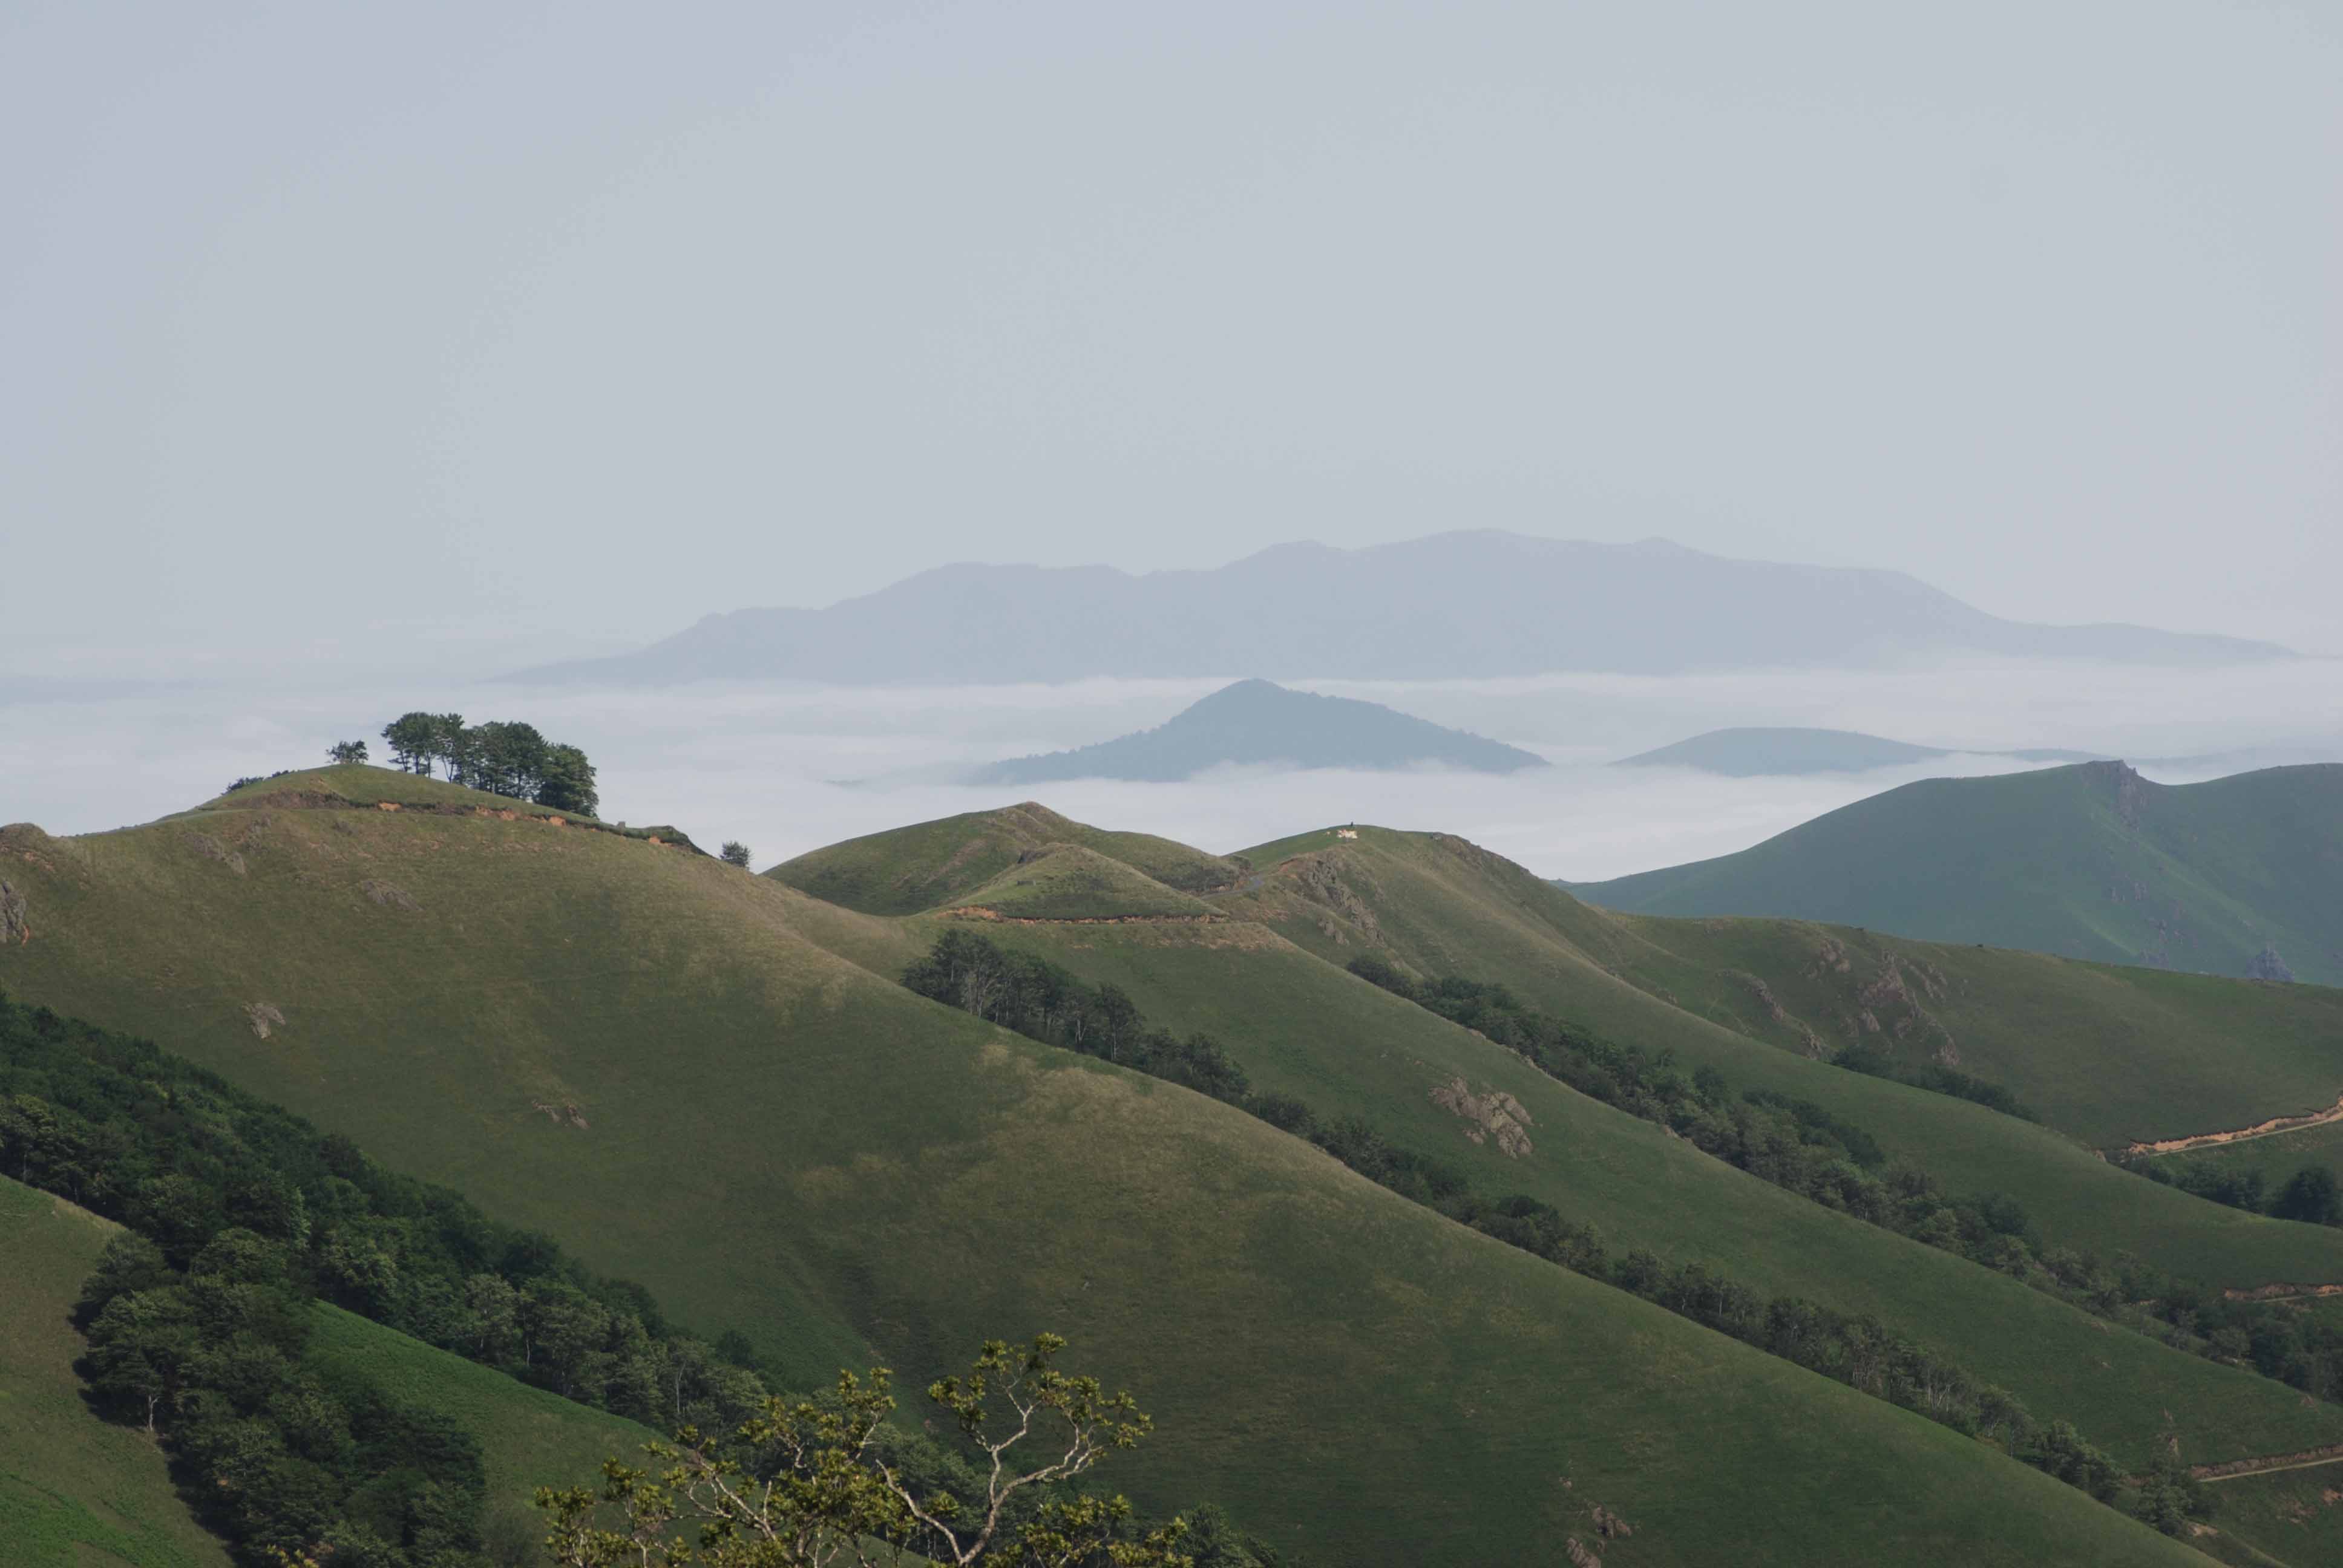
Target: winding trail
<point x="2307" y="1459"/>
<point x="2282" y="1293"/>
<point x="2271" y="1129"/>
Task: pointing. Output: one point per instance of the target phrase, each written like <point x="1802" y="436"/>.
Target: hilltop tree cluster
<point x="500" y="757"/>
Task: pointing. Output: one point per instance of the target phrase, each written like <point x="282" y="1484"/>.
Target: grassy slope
<point x="74" y="1492"/>
<point x="1346" y="1047"/>
<point x="1446" y="907"/>
<point x="2089" y="861"/>
<point x="1071" y="883"/>
<point x="75" y="1489"/>
<point x="2110" y="1054"/>
<point x="528" y="1438"/>
<point x="780" y="1140"/>
<point x="2289" y="1517"/>
<point x="1298" y="1026"/>
<point x="932" y="864"/>
<point x="2277" y="1156"/>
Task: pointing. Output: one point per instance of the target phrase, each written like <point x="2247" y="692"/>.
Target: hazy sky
<point x="392" y="331"/>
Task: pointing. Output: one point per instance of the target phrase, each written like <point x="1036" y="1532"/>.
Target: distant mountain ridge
<point x="1753" y="752"/>
<point x="1259" y="722"/>
<point x="2240" y="876"/>
<point x="1450" y="606"/>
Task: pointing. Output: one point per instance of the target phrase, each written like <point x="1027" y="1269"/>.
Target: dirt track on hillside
<point x="2275" y="1125"/>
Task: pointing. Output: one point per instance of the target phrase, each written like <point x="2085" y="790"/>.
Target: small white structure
<point x="1346" y="832"/>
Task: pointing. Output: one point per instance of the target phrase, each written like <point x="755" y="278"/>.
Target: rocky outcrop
<point x="211" y="848"/>
<point x="388" y="894"/>
<point x="2266" y="965"/>
<point x="1495" y="1114"/>
<point x="2127" y="791"/>
<point x="15" y="922"/>
<point x="1318" y="879"/>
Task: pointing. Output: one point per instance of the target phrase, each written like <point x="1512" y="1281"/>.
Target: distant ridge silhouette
<point x="1259" y="722"/>
<point x="1450" y="606"/>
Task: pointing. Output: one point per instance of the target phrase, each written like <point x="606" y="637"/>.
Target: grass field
<point x="933" y="864"/>
<point x="74" y="1492"/>
<point x="2289" y="1517"/>
<point x="2091" y="861"/>
<point x="2277" y="1156"/>
<point x="780" y="1140"/>
<point x="1072" y="883"/>
<point x="1448" y="908"/>
<point x="2110" y="1054"/>
<point x="528" y="1438"/>
<point x="1345" y="1048"/>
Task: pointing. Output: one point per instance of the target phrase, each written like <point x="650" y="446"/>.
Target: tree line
<point x="506" y="758"/>
<point x="2311" y="1195"/>
<point x="1804" y="1150"/>
<point x="1037" y="998"/>
<point x="276" y="1451"/>
<point x="242" y="1214"/>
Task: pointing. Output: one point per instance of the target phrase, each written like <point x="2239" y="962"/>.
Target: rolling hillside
<point x="905" y="870"/>
<point x="1300" y="1026"/>
<point x="772" y="1138"/>
<point x="1256" y="723"/>
<point x="2233" y="877"/>
<point x="75" y="1490"/>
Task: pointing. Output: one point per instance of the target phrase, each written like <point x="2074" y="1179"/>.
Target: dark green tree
<point x="506" y="757"/>
<point x="451" y="745"/>
<point x="343" y="751"/>
<point x="414" y="740"/>
<point x="2310" y="1195"/>
<point x="735" y="853"/>
<point x="566" y="782"/>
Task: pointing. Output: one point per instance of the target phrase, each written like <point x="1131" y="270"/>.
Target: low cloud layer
<point x="789" y="770"/>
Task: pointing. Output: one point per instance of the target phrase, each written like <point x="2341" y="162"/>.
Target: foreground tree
<point x="808" y="1485"/>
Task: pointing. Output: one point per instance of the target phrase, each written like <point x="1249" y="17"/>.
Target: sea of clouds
<point x="788" y="769"/>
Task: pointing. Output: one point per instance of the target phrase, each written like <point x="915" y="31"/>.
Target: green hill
<point x="528" y="1438"/>
<point x="933" y="864"/>
<point x="73" y="1489"/>
<point x="2136" y="1048"/>
<point x="2238" y="876"/>
<point x="1257" y="723"/>
<point x="77" y="1490"/>
<point x="1262" y="982"/>
<point x="1069" y="882"/>
<point x="772" y="1138"/>
<point x="1753" y="752"/>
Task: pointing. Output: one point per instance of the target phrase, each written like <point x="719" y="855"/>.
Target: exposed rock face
<point x="2123" y="783"/>
<point x="388" y="894"/>
<point x="2264" y="965"/>
<point x="1495" y="1114"/>
<point x="15" y="923"/>
<point x="211" y="848"/>
<point x="1320" y="881"/>
<point x="264" y="1016"/>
